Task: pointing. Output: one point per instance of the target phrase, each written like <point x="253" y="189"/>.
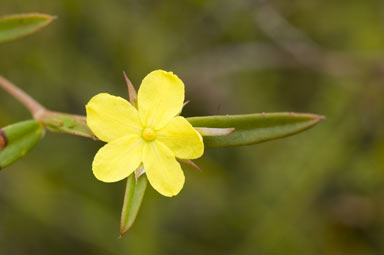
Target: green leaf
<point x="13" y="27"/>
<point x="66" y="123"/>
<point x="133" y="197"/>
<point x="17" y="139"/>
<point x="254" y="128"/>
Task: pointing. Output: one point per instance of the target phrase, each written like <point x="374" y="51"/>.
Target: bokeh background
<point x="319" y="192"/>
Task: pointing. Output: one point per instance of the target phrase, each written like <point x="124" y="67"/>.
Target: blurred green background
<point x="320" y="192"/>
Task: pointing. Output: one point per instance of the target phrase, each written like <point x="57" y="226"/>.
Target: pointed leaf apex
<point x="190" y="163"/>
<point x="17" y="26"/>
<point x="139" y="172"/>
<point x="131" y="91"/>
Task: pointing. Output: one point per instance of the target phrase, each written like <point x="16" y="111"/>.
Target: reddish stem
<point x="33" y="106"/>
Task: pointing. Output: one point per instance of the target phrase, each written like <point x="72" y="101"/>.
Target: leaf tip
<point x="17" y="26"/>
<point x="318" y="118"/>
<point x="190" y="163"/>
<point x="43" y="15"/>
<point x="231" y="130"/>
<point x="315" y="117"/>
<point x="49" y="18"/>
<point x="124" y="229"/>
<point x="132" y="94"/>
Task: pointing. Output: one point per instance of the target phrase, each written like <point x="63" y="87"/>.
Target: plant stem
<point x="33" y="106"/>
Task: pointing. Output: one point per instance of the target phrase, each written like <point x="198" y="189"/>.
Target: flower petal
<point x="160" y="98"/>
<point x="181" y="138"/>
<point x="110" y="117"/>
<point x="118" y="159"/>
<point x="163" y="171"/>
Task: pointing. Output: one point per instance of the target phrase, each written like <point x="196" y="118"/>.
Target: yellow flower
<point x="153" y="135"/>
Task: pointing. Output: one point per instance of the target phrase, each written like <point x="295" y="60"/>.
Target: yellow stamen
<point x="149" y="134"/>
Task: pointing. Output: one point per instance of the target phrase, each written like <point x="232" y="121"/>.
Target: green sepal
<point x="133" y="197"/>
<point x="254" y="128"/>
<point x="13" y="27"/>
<point x="17" y="139"/>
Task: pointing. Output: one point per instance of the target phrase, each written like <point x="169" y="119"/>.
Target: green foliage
<point x="19" y="139"/>
<point x="65" y="123"/>
<point x="248" y="128"/>
<point x="134" y="194"/>
<point x="318" y="193"/>
<point x="13" y="27"/>
<point x="254" y="128"/>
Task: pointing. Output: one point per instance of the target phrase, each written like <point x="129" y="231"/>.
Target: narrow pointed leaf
<point x="133" y="198"/>
<point x="254" y="128"/>
<point x="17" y="139"/>
<point x="13" y="27"/>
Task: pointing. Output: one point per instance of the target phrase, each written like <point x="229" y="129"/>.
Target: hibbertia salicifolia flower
<point x="153" y="135"/>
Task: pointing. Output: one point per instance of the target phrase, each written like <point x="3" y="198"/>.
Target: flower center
<point x="149" y="134"/>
